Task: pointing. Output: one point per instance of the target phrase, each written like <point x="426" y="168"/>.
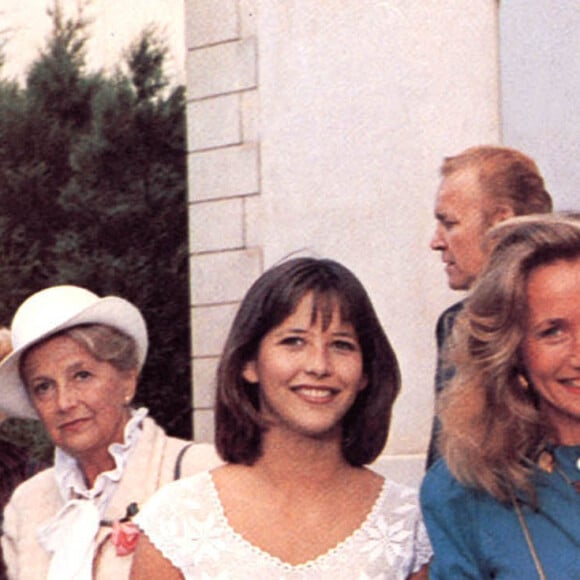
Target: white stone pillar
<point x="320" y="126"/>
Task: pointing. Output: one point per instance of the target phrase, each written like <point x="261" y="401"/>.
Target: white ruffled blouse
<point x="70" y="534"/>
<point x="186" y="522"/>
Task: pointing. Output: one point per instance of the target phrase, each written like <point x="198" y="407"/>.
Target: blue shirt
<point x="475" y="536"/>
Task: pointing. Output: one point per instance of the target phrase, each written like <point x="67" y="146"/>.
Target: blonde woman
<point x="505" y="502"/>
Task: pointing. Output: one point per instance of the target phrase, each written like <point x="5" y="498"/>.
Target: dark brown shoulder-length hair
<point x="271" y="299"/>
<point x="492" y="427"/>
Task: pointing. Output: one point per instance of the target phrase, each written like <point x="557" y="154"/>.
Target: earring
<point x="523" y="381"/>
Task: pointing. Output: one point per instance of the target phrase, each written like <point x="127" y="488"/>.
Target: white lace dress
<point x="186" y="522"/>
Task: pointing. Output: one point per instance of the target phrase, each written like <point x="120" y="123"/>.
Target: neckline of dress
<point x="275" y="559"/>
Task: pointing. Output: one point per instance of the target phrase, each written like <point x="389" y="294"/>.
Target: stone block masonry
<point x="223" y="170"/>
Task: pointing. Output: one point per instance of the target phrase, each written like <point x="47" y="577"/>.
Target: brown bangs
<point x="324" y="304"/>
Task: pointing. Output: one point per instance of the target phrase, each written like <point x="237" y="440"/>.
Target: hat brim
<point x="110" y="310"/>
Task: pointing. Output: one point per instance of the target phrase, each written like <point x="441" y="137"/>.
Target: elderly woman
<point x="75" y="365"/>
<point x="505" y="502"/>
<point x="306" y="386"/>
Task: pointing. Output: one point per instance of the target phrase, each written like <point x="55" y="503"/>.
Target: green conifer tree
<point x="93" y="168"/>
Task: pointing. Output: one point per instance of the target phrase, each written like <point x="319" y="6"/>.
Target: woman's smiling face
<point x="81" y="401"/>
<point x="309" y="373"/>
<point x="551" y="346"/>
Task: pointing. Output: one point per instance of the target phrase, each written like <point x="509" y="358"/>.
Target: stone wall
<point x="319" y="127"/>
<point x="224" y="171"/>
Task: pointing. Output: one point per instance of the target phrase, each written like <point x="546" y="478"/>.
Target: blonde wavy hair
<point x="492" y="428"/>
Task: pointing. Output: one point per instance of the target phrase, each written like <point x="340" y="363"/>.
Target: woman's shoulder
<point x="191" y="484"/>
<point x="394" y="492"/>
<point x="441" y="491"/>
<point x="440" y="479"/>
<point x="184" y="456"/>
<point x="43" y="482"/>
<point x="194" y="457"/>
<point x="177" y="513"/>
<point x="397" y="508"/>
<point x="397" y="504"/>
<point x="396" y="520"/>
<point x="186" y="491"/>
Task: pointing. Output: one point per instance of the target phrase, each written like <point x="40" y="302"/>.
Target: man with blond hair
<point x="480" y="187"/>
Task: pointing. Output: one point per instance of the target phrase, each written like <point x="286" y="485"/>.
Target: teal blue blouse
<point x="475" y="536"/>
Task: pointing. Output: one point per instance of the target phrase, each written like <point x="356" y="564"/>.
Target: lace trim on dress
<point x="315" y="562"/>
<point x="186" y="522"/>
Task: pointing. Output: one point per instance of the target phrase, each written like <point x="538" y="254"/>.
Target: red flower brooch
<point x="125" y="533"/>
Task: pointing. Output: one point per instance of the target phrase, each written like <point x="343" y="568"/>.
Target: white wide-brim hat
<point x="53" y="310"/>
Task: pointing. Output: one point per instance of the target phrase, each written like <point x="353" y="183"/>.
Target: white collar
<point x="70" y="534"/>
<point x="69" y="478"/>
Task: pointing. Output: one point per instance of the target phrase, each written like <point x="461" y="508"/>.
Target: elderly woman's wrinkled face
<point x="82" y="401"/>
<point x="551" y="345"/>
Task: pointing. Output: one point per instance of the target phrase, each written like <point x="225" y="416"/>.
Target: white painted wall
<point x="359" y="101"/>
<point x="331" y="145"/>
<point x="540" y="60"/>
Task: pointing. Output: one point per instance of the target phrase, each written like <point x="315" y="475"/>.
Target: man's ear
<point x="501" y="213"/>
<point x="250" y="372"/>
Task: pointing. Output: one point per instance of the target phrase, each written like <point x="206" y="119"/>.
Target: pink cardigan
<point x="38" y="499"/>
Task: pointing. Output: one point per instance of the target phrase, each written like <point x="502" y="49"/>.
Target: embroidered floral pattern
<point x="207" y="541"/>
<point x="186" y="522"/>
